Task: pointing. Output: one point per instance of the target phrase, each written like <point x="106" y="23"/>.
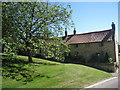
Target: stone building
<point x="93" y="43"/>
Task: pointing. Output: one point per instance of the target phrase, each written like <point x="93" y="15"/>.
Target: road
<point x="109" y="83"/>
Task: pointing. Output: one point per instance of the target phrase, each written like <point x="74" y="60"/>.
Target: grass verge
<point x="17" y="73"/>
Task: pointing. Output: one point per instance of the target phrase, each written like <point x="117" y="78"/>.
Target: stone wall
<point x="88" y="49"/>
<point x="110" y="67"/>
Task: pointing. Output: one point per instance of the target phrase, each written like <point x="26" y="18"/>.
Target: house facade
<point x="91" y="44"/>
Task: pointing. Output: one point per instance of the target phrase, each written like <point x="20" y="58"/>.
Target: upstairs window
<point x="101" y="44"/>
<point x="76" y="45"/>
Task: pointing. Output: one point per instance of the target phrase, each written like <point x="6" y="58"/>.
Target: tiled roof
<point x="97" y="36"/>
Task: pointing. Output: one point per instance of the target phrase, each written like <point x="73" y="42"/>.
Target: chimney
<point x="66" y="33"/>
<point x="113" y="31"/>
<point x="74" y="31"/>
<point x="113" y="26"/>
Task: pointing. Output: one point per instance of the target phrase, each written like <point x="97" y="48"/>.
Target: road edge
<point x="91" y="86"/>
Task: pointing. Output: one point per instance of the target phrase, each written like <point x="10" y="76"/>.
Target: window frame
<point x="101" y="44"/>
<point x="76" y="45"/>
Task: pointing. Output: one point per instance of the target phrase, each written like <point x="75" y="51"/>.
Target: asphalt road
<point x="110" y="83"/>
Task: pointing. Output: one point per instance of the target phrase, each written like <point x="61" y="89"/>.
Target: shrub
<point x="101" y="57"/>
<point x="116" y="64"/>
<point x="76" y="59"/>
<point x="111" y="60"/>
<point x="11" y="56"/>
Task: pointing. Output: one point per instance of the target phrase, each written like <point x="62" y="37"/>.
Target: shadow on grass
<point x="19" y="69"/>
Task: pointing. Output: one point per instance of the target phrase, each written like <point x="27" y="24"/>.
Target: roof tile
<point x="98" y="36"/>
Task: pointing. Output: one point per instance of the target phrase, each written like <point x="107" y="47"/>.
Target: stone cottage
<point x="93" y="43"/>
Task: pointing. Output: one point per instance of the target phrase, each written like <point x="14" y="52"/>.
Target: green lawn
<point x="17" y="73"/>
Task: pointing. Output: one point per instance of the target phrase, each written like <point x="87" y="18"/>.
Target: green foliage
<point x="101" y="57"/>
<point x="27" y="26"/>
<point x="55" y="49"/>
<point x="11" y="56"/>
<point x="9" y="46"/>
<point x="76" y="59"/>
<point x="111" y="60"/>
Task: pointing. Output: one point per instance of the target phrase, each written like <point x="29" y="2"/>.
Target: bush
<point x="100" y="58"/>
<point x="11" y="56"/>
<point x="111" y="60"/>
<point x="76" y="59"/>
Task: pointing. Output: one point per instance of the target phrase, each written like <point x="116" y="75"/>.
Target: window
<point x="76" y="53"/>
<point x="69" y="54"/>
<point x="101" y="44"/>
<point x="76" y="45"/>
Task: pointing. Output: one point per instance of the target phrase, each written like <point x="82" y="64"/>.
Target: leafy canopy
<point x="28" y="25"/>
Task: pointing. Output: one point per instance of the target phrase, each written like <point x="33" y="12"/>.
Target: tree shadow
<point x="15" y="68"/>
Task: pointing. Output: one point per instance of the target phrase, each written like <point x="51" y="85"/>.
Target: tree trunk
<point x="30" y="56"/>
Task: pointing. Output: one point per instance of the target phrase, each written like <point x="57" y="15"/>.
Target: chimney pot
<point x="66" y="33"/>
<point x="74" y="31"/>
<point x="113" y="26"/>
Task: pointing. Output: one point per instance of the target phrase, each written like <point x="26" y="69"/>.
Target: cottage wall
<point x="88" y="49"/>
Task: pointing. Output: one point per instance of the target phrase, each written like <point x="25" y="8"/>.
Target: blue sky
<point x="93" y="16"/>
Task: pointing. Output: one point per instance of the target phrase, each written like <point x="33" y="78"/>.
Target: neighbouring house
<point x="93" y="45"/>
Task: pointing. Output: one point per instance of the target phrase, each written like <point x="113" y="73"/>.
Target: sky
<point x="93" y="16"/>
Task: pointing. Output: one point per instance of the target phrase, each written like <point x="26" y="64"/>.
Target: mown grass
<point x="17" y="73"/>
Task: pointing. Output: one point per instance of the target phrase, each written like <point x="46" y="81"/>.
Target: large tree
<point x="29" y="25"/>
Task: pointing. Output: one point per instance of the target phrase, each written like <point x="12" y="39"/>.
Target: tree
<point x="55" y="49"/>
<point x="28" y="25"/>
